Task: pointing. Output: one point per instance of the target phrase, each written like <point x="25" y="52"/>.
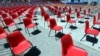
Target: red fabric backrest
<point x="27" y="21"/>
<point x="8" y="21"/>
<point x="14" y="15"/>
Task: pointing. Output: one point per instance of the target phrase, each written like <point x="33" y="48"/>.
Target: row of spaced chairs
<point x="53" y="26"/>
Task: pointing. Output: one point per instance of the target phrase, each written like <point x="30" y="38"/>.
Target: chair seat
<point x="92" y="31"/>
<point x="96" y="22"/>
<point x="21" y="47"/>
<point x="75" y="51"/>
<point x="30" y="26"/>
<point x="3" y="35"/>
<point x="57" y="28"/>
<point x="72" y="21"/>
<point x="11" y="24"/>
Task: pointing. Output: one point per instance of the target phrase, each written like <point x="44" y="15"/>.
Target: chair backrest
<point x="27" y="21"/>
<point x="78" y="14"/>
<point x="52" y="23"/>
<point x="14" y="16"/>
<point x="94" y="19"/>
<point x="84" y="12"/>
<point x="59" y="14"/>
<point x="15" y="38"/>
<point x="46" y="17"/>
<point x="86" y="26"/>
<point x="8" y="21"/>
<point x="89" y="10"/>
<point x="98" y="15"/>
<point x="68" y="17"/>
<point x="66" y="42"/>
<point x="29" y="15"/>
<point x="4" y="15"/>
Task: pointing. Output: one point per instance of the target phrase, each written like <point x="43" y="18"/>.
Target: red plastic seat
<point x="69" y="20"/>
<point x="53" y="26"/>
<point x="90" y="30"/>
<point x="18" y="43"/>
<point x="3" y="34"/>
<point x="68" y="48"/>
<point x="28" y="24"/>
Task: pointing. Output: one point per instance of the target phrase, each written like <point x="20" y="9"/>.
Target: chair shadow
<point x="34" y="51"/>
<point x="91" y="39"/>
<point x="96" y="28"/>
<point x="59" y="35"/>
<point x="73" y="27"/>
<point x="6" y="45"/>
<point x="36" y="32"/>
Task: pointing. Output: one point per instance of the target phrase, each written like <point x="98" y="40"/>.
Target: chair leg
<point x="83" y="37"/>
<point x="16" y="26"/>
<point x="44" y="23"/>
<point x="49" y="33"/>
<point x="66" y="25"/>
<point x="92" y="26"/>
<point x="8" y="29"/>
<point x="28" y="32"/>
<point x="93" y="44"/>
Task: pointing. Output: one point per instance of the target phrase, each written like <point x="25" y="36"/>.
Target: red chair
<point x="53" y="26"/>
<point x="9" y="22"/>
<point x="69" y="20"/>
<point x="68" y="48"/>
<point x="3" y="34"/>
<point x="16" y="17"/>
<point x="18" y="43"/>
<point x="89" y="31"/>
<point x="28" y="24"/>
<point x="46" y="18"/>
<point x="60" y="15"/>
<point x="80" y="17"/>
<point x="98" y="15"/>
<point x="95" y="22"/>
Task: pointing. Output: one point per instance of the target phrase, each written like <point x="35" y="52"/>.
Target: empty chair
<point x="18" y="43"/>
<point x="98" y="15"/>
<point x="95" y="22"/>
<point x="46" y="18"/>
<point x="53" y="26"/>
<point x="89" y="30"/>
<point x="68" y="48"/>
<point x="9" y="23"/>
<point x="80" y="17"/>
<point x="28" y="24"/>
<point x="16" y="17"/>
<point x="69" y="20"/>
